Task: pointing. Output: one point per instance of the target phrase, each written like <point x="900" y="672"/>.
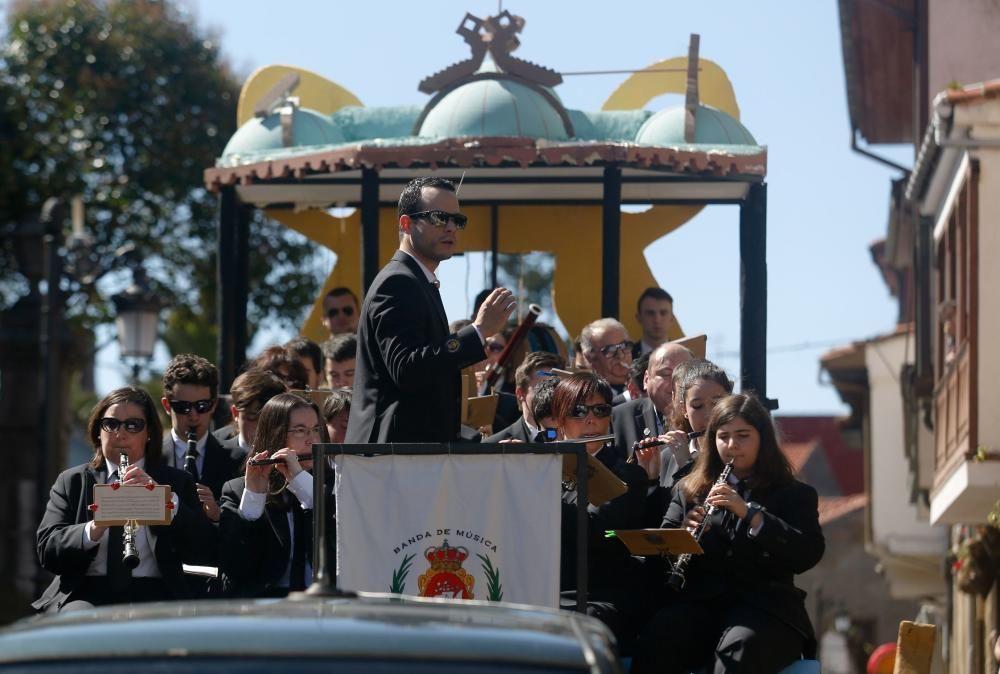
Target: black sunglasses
<point x="601" y="411"/>
<point x="335" y="311"/>
<point x="442" y="218"/>
<point x="185" y="406"/>
<point x="132" y="425"/>
<point x="620" y="348"/>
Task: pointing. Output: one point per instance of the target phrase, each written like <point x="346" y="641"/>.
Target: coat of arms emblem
<point x="446" y="577"/>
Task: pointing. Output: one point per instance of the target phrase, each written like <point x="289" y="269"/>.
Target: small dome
<point x="264" y="133"/>
<point x="711" y="127"/>
<point x="494" y="107"/>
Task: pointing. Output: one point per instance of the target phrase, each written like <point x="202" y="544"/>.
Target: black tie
<point x="191" y="463"/>
<point x="119" y="576"/>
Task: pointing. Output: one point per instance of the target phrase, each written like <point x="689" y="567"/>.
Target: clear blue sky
<point x="825" y="203"/>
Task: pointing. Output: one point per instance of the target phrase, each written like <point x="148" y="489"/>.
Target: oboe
<point x="679" y="570"/>
<point x="130" y="557"/>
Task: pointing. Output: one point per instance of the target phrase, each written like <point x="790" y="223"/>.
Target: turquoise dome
<point x="494" y="107"/>
<point x="711" y="127"/>
<point x="264" y="133"/>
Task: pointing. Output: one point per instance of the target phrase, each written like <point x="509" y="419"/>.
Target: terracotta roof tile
<point x="824" y="434"/>
<point x="989" y="89"/>
<point x="835" y="507"/>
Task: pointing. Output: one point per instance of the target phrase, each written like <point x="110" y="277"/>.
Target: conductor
<point x="407" y="381"/>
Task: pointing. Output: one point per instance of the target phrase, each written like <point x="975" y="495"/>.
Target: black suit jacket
<point x="632" y="420"/>
<point x="222" y="462"/>
<point x="758" y="570"/>
<point x="253" y="555"/>
<point x="407" y="381"/>
<point x="189" y="538"/>
<point x="516" y="431"/>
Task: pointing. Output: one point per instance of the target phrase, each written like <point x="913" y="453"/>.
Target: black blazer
<point x="607" y="558"/>
<point x="516" y="431"/>
<point x="253" y="556"/>
<point x="758" y="570"/>
<point x="222" y="462"/>
<point x="190" y="538"/>
<point x="407" y="381"/>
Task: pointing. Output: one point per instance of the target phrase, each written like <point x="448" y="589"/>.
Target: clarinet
<point x="190" y="460"/>
<point x="678" y="573"/>
<point x="130" y="557"/>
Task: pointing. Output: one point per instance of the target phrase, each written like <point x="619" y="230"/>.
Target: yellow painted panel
<point x="714" y="87"/>
<point x="314" y="91"/>
<point x="571" y="233"/>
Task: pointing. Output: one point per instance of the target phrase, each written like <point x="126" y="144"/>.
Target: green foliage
<point x="127" y="102"/>
<point x="399" y="575"/>
<point x="494" y="588"/>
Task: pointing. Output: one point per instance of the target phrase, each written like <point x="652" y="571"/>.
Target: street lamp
<point x="138" y="309"/>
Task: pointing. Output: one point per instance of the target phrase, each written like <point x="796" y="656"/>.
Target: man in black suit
<point x="537" y="366"/>
<point x="249" y="392"/>
<point x="650" y="416"/>
<point x="190" y="386"/>
<point x="407" y="379"/>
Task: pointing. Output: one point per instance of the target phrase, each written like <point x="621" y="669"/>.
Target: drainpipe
<point x="871" y="155"/>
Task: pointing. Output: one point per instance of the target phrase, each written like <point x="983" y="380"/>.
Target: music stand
<point x="658" y="542"/>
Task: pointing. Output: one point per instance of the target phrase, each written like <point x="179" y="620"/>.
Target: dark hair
<point x="637" y="370"/>
<point x="340" y="291"/>
<point x="274" y="358"/>
<point x="341" y="347"/>
<point x="656" y="294"/>
<point x="302" y="347"/>
<point x="532" y="363"/>
<point x="272" y="429"/>
<point x="771" y="468"/>
<point x="154" y="429"/>
<point x="686" y="375"/>
<point x="255" y="386"/>
<point x="576" y="388"/>
<point x="411" y="200"/>
<point x="541" y="402"/>
<point x="336" y="402"/>
<point x="187" y="368"/>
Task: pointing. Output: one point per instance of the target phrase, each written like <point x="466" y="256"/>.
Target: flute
<point x="654" y="441"/>
<point x="270" y="461"/>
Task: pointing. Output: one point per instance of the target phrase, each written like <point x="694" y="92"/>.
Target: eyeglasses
<point x="132" y="425"/>
<point x="302" y="431"/>
<point x="619" y="349"/>
<point x="495" y="347"/>
<point x="333" y="312"/>
<point x="601" y="411"/>
<point x="442" y="218"/>
<point x="185" y="406"/>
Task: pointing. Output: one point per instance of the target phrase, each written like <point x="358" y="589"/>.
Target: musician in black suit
<point x="739" y="608"/>
<point x="190" y="394"/>
<point x="86" y="558"/>
<point x="407" y="381"/>
<point x="266" y="525"/>
<point x="249" y="393"/>
<point x="536" y="367"/>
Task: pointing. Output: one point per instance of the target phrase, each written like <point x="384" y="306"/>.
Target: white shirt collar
<point x="113" y="467"/>
<point x="431" y="277"/>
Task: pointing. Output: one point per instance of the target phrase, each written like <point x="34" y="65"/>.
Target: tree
<point x="126" y="102"/>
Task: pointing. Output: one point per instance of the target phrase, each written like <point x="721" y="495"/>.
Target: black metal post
<point x="611" y="240"/>
<point x="322" y="584"/>
<point x="753" y="292"/>
<point x="494" y="244"/>
<point x="582" y="528"/>
<point x="369" y="227"/>
<point x="923" y="317"/>
<point x="233" y="283"/>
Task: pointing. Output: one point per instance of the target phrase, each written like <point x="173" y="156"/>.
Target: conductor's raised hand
<point x="494" y="312"/>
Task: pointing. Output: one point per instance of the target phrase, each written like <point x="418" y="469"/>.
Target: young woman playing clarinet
<point x="266" y="525"/>
<point x="737" y="607"/>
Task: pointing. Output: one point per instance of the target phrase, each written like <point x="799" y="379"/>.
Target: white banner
<point x="464" y="526"/>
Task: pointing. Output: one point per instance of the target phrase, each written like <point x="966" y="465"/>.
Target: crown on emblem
<point x="445" y="557"/>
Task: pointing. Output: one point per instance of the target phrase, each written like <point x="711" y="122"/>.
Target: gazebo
<point x="542" y="175"/>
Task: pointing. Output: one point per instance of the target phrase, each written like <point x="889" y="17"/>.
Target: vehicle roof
<point x="383" y="626"/>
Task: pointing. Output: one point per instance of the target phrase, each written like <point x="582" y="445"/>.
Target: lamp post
<point x="138" y="309"/>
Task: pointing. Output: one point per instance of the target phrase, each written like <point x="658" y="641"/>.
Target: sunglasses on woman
<point x="600" y="411"/>
<point x="132" y="424"/>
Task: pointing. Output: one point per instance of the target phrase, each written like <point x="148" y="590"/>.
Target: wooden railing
<point x="955" y="421"/>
